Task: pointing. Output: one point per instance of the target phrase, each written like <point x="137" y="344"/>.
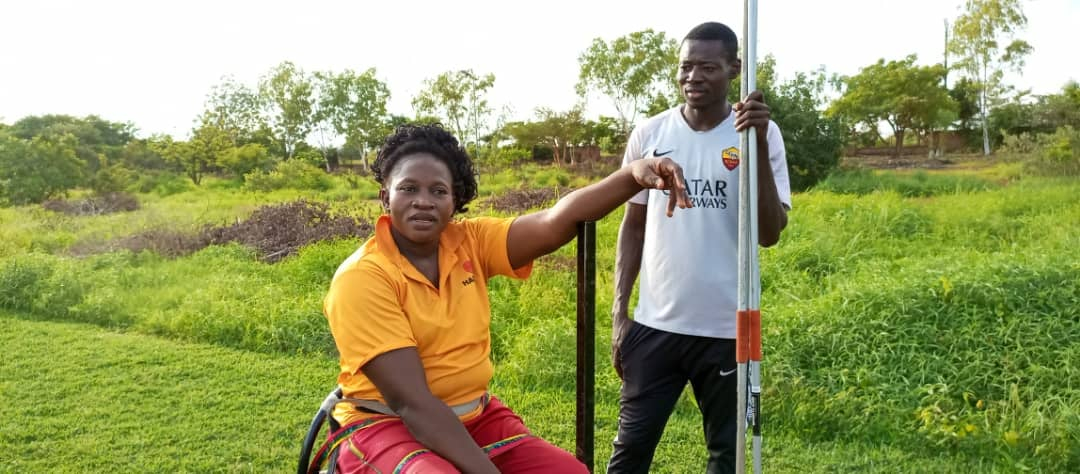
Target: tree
<point x="236" y="109"/>
<point x="287" y="94"/>
<point x="631" y="70"/>
<point x="812" y="140"/>
<point x="459" y="99"/>
<point x="982" y="38"/>
<point x="557" y="130"/>
<point x="354" y="105"/>
<point x="96" y="140"/>
<point x="906" y="96"/>
<point x="39" y="168"/>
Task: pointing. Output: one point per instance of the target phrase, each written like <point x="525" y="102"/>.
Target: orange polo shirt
<point x="378" y="301"/>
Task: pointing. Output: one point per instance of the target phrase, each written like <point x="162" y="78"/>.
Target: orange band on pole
<point x="755" y="335"/>
<point x="742" y="336"/>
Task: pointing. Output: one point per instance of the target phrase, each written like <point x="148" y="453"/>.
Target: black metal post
<point x="586" y="341"/>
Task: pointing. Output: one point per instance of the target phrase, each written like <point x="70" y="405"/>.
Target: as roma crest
<point x="731" y="158"/>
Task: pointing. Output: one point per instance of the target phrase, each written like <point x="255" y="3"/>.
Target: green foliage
<point x="34" y="170"/>
<point x="812" y="140"/>
<point x="1056" y="154"/>
<point x="1043" y="115"/>
<point x="631" y="70"/>
<point x="354" y="105"/>
<point x="112" y="179"/>
<point x="161" y="183"/>
<point x="244" y="159"/>
<point x="293" y="174"/>
<point x="93" y="138"/>
<point x="40" y="284"/>
<point x="201" y="418"/>
<point x="558" y="131"/>
<point x="311" y="157"/>
<point x="906" y="96"/>
<point x="459" y="100"/>
<point x="918" y="184"/>
<point x="287" y="93"/>
<point x="235" y="109"/>
<point x="505" y="156"/>
<point x="984" y="43"/>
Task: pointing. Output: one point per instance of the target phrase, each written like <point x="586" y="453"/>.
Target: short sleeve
<point x="490" y="234"/>
<point x="365" y="316"/>
<point x="778" y="163"/>
<point x="633" y="153"/>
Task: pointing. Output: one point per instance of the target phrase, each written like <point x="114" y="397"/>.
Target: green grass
<point x="921" y="323"/>
<point x="81" y="399"/>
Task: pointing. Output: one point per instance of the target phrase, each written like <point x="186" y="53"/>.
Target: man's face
<point x="705" y="73"/>
<point x="420" y="198"/>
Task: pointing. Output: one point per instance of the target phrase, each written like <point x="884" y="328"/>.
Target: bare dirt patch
<point x="274" y="231"/>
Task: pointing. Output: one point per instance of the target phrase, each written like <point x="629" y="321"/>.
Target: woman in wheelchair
<point x="410" y="315"/>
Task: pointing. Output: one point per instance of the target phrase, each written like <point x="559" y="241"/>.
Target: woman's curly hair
<point x="413" y="138"/>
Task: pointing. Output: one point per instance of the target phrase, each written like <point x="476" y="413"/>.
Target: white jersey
<point x="689" y="275"/>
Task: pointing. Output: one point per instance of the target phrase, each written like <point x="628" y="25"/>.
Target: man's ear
<point x="736" y="68"/>
<point x="384" y="199"/>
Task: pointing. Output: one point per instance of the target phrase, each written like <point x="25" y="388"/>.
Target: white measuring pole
<point x="748" y="315"/>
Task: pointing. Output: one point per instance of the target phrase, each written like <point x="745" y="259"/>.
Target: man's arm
<point x="772" y="216"/>
<point x="399" y="376"/>
<point x="627" y="266"/>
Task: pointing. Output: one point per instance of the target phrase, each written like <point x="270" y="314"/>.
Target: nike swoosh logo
<point x="658" y="154"/>
<point x="725" y="373"/>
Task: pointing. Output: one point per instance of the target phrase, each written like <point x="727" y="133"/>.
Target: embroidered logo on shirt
<point x="731" y="158"/>
<point x="468" y="281"/>
<point x="656" y="153"/>
<point x="467" y="266"/>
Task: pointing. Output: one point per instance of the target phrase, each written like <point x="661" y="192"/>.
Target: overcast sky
<point x="152" y="62"/>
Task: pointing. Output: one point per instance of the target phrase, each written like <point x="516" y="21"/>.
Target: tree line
<point x="320" y="118"/>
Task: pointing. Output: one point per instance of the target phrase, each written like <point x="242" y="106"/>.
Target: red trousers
<point x="386" y="446"/>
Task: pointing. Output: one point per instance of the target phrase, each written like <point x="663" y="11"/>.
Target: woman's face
<point x="419" y="196"/>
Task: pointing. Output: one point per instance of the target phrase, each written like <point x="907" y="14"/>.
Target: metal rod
<point x="748" y="316"/>
<point x="586" y="341"/>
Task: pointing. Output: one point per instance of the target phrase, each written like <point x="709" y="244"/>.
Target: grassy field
<point x="915" y="321"/>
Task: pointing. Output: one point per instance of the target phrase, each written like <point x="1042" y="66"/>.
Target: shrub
<point x="107" y="203"/>
<point x="240" y="161"/>
<point x="294" y="174"/>
<point x="161" y="183"/>
<point x="112" y="179"/>
<point x="40" y="284"/>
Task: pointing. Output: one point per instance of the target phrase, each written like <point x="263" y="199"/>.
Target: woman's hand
<point x="663" y="174"/>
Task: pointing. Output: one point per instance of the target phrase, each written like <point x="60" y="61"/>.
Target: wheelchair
<point x="324" y="416"/>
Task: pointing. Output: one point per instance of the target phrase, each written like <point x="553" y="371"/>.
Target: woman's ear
<point x="384" y="199"/>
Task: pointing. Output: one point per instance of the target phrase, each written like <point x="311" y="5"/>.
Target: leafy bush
<point x="312" y="157"/>
<point x="294" y="174"/>
<point x="240" y="161"/>
<point x="107" y="203"/>
<point x="1057" y="154"/>
<point x="112" y="179"/>
<point x="161" y="183"/>
<point x="40" y="284"/>
<point x="32" y="171"/>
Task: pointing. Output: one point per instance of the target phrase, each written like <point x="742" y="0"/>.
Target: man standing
<point x="684" y="323"/>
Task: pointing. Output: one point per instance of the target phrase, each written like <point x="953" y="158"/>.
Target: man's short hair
<point x="714" y="31"/>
